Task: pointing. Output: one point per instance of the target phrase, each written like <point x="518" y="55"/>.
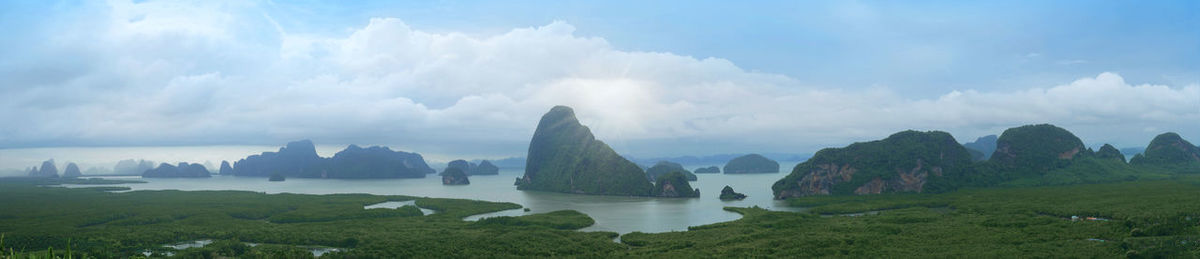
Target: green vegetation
<point x="664" y="167"/>
<point x="230" y="248"/>
<point x="300" y="159"/>
<point x="976" y="155"/>
<point x="674" y="185"/>
<point x="1136" y="219"/>
<point x="1034" y="148"/>
<point x="454" y="176"/>
<point x="1109" y="152"/>
<point x="1172" y="152"/>
<point x="36" y="219"/>
<point x="1048" y="197"/>
<point x="563" y="219"/>
<point x="1043" y="155"/>
<point x="456" y="208"/>
<point x="1082" y="170"/>
<point x="930" y="162"/>
<point x="564" y="156"/>
<point x="908" y="161"/>
<point x="751" y="164"/>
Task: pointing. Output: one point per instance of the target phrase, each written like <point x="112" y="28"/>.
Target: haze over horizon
<point x="472" y="80"/>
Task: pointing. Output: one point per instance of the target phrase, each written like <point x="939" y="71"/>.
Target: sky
<point x="471" y="79"/>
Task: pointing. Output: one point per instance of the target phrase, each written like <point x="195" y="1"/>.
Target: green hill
<point x="1036" y="148"/>
<point x="1041" y="155"/>
<point x="674" y="185"/>
<point x="664" y="167"/>
<point x="1109" y="152"/>
<point x="1169" y="149"/>
<point x="903" y="162"/>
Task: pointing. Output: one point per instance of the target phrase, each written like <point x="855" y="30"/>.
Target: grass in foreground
<point x="110" y="225"/>
<point x="1141" y="219"/>
<point x="1137" y="219"/>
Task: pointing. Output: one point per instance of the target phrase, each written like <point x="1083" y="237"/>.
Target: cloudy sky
<point x="651" y="78"/>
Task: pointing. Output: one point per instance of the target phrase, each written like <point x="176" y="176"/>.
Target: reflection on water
<point x="186" y="245"/>
<point x="612" y="213"/>
<point x="398" y="204"/>
<point x="509" y="213"/>
<point x="315" y="250"/>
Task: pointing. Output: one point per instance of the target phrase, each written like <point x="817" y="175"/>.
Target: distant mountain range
<point x="1130" y="151"/>
<point x="510" y="163"/>
<point x="300" y="159"/>
<point x="984" y="145"/>
<point x="719" y="159"/>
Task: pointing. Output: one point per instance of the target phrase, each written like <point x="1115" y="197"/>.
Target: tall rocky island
<point x="564" y="156"/>
<point x="226" y="169"/>
<point x="674" y="185"/>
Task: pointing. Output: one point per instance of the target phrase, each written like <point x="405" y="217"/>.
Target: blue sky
<point x="650" y="77"/>
<point x="927" y="47"/>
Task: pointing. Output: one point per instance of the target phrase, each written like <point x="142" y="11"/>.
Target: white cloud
<point x="165" y="75"/>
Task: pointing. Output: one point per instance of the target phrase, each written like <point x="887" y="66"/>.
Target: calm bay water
<point x="617" y="214"/>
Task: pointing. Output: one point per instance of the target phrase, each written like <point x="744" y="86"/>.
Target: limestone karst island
<point x="602" y="129"/>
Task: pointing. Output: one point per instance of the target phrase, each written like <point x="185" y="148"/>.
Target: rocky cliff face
<point x="903" y="162"/>
<point x="674" y="185"/>
<point x="454" y="176"/>
<point x="483" y="168"/>
<point x="564" y="156"/>
<point x="1109" y="152"/>
<point x="751" y="164"/>
<point x="226" y="169"/>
